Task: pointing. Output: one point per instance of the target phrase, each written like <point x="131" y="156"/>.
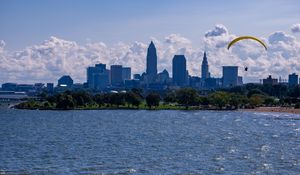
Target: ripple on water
<point x="148" y="142"/>
<point x="265" y="148"/>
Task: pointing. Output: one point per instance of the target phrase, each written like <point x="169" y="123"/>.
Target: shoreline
<point x="289" y="110"/>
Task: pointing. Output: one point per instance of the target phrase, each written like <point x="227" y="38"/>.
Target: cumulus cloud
<point x="295" y="28"/>
<point x="54" y="57"/>
<point x="2" y="45"/>
<point x="217" y="31"/>
<point x="279" y="36"/>
<point x="281" y="59"/>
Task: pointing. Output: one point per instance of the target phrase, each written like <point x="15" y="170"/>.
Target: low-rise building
<point x="270" y="81"/>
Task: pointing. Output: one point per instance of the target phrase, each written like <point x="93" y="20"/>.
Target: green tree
<point x="43" y="95"/>
<point x="238" y="89"/>
<point x="237" y="100"/>
<point x="202" y="100"/>
<point x="294" y="92"/>
<point x="46" y="105"/>
<point x="280" y="90"/>
<point x="82" y="98"/>
<point x="170" y="97"/>
<point x="137" y="91"/>
<point x="187" y="97"/>
<point x="116" y="99"/>
<point x="152" y="99"/>
<point x="51" y="99"/>
<point x="219" y="99"/>
<point x="65" y="102"/>
<point x="269" y="101"/>
<point x="254" y="91"/>
<point x="256" y="100"/>
<point x="133" y="99"/>
<point x="99" y="99"/>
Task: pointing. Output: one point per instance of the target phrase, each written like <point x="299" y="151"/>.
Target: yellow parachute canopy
<point x="246" y="37"/>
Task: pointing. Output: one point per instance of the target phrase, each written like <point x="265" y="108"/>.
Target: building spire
<point x="204" y="68"/>
<point x="151" y="69"/>
<point x="205" y="57"/>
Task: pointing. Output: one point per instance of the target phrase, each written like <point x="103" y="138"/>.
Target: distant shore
<point x="290" y="110"/>
<point x="274" y="109"/>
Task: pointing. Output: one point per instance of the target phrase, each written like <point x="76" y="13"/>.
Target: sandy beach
<point x="275" y="109"/>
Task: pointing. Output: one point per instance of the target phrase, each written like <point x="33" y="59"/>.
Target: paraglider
<point x="246" y="37"/>
<point x="243" y="38"/>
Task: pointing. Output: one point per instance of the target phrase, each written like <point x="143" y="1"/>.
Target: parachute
<point x="245" y="37"/>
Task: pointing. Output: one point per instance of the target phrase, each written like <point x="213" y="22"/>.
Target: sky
<point x="114" y="31"/>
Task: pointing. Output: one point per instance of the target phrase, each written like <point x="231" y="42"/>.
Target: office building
<point x="163" y="77"/>
<point x="151" y="69"/>
<point x="9" y="86"/>
<point x="50" y="88"/>
<point x="293" y="79"/>
<point x="205" y="68"/>
<point x="137" y="76"/>
<point x="116" y="74"/>
<point x="230" y="76"/>
<point x="126" y="73"/>
<point x="240" y="81"/>
<point x="98" y="77"/>
<point x="179" y="70"/>
<point x="270" y="81"/>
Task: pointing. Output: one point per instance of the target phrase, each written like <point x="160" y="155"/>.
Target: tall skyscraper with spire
<point x="151" y="69"/>
<point x="205" y="69"/>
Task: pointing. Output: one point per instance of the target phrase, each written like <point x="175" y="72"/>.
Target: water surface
<point x="148" y="142"/>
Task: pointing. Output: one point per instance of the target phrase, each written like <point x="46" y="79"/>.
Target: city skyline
<point x="150" y="86"/>
<point x="151" y="56"/>
<point x="99" y="78"/>
<point x="49" y="52"/>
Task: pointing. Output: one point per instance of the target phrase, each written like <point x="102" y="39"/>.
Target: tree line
<point x="248" y="96"/>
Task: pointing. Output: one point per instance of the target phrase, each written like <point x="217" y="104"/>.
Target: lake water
<point x="148" y="142"/>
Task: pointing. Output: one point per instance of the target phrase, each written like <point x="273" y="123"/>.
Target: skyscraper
<point x="205" y="69"/>
<point x="116" y="73"/>
<point x="151" y="70"/>
<point x="126" y="73"/>
<point x="97" y="77"/>
<point x="179" y="70"/>
<point x="293" y="79"/>
<point x="230" y="76"/>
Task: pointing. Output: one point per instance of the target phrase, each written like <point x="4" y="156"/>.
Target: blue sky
<point x="28" y="22"/>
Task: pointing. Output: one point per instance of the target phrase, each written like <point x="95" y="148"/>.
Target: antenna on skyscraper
<point x="205" y="47"/>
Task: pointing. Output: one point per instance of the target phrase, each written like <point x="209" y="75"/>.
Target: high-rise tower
<point x="151" y="70"/>
<point x="205" y="69"/>
<point x="230" y="76"/>
<point x="179" y="70"/>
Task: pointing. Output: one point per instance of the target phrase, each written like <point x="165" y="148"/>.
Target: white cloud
<point x="55" y="57"/>
<point x="217" y="31"/>
<point x="2" y="45"/>
<point x="281" y="59"/>
<point x="279" y="36"/>
<point x="295" y="28"/>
